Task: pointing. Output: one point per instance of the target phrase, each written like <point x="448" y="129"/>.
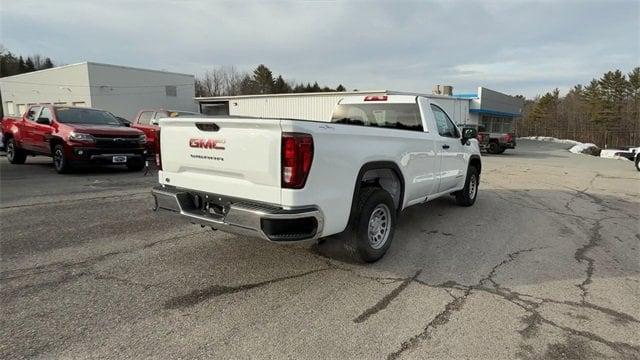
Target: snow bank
<point x="552" y="139"/>
<point x="590" y="149"/>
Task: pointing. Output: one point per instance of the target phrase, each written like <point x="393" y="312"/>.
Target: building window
<point x="171" y="90"/>
<point x="21" y="109"/>
<point x="11" y="109"/>
<point x="79" y="104"/>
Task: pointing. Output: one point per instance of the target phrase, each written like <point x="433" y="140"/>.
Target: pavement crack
<point x="581" y="256"/>
<point x="441" y="319"/>
<point x="199" y="295"/>
<point x="386" y="300"/>
<point x="453" y="306"/>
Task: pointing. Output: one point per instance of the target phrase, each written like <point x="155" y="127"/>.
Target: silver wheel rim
<point x="379" y="226"/>
<point x="10" y="151"/>
<point x="57" y="158"/>
<point x="473" y="187"/>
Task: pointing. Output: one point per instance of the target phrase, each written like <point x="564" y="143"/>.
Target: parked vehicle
<point x="288" y="180"/>
<point x="632" y="154"/>
<point x="73" y="136"/>
<point x="147" y="121"/>
<point x="495" y="143"/>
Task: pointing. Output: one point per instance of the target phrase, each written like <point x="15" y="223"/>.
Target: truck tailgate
<point x="235" y="157"/>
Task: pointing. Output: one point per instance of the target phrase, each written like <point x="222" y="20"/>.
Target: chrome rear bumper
<point x="245" y="218"/>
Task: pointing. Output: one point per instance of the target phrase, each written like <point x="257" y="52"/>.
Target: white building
<point x="119" y="89"/>
<point x="493" y="110"/>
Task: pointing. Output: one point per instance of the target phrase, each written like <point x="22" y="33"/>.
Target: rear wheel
<point x="15" y="155"/>
<point x="60" y="161"/>
<point x="372" y="228"/>
<point x="467" y="196"/>
<point x="493" y="148"/>
<point x="502" y="149"/>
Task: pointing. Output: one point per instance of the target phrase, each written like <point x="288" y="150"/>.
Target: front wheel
<point x="60" y="161"/>
<point x="15" y="155"/>
<point x="467" y="196"/>
<point x="373" y="227"/>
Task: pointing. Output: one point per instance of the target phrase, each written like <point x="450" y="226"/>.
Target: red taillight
<point x="297" y="155"/>
<point x="375" y="98"/>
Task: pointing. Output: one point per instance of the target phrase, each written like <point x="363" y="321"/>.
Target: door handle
<point x="445" y="146"/>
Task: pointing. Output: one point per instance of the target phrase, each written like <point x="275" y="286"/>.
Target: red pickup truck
<point x="147" y="121"/>
<point x="72" y="136"/>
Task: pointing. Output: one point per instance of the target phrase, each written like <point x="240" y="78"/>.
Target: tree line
<point x="228" y="81"/>
<point x="605" y="112"/>
<point x="11" y="64"/>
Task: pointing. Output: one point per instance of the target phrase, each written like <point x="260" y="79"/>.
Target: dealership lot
<point x="545" y="265"/>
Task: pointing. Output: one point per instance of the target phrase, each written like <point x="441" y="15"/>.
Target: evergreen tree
<point x="48" y="64"/>
<point x="248" y="86"/>
<point x="280" y="86"/>
<point x="29" y="65"/>
<point x="340" y="88"/>
<point x="22" y="67"/>
<point x="263" y="79"/>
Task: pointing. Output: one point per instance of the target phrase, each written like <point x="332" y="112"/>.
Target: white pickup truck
<point x="288" y="180"/>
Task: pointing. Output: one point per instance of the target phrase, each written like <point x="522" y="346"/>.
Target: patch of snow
<point x="585" y="149"/>
<point x="552" y="139"/>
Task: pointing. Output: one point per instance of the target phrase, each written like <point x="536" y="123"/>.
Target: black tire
<point x="467" y="196"/>
<point x="135" y="165"/>
<point x="638" y="162"/>
<point x="375" y="209"/>
<point x="60" y="161"/>
<point x="15" y="155"/>
<point x="493" y="147"/>
<point x="502" y="149"/>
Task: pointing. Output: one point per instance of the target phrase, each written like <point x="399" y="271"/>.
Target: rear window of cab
<point x="392" y="116"/>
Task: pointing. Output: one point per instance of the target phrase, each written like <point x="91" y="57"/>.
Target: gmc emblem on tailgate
<point x="206" y="144"/>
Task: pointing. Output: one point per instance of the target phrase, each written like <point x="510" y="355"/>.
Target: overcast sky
<point x="513" y="46"/>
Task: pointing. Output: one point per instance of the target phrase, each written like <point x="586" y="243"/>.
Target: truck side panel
<point x="340" y="153"/>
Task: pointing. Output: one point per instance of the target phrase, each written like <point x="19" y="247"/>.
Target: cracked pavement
<point x="546" y="265"/>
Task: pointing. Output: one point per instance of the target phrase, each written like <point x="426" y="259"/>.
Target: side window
<point x="33" y="112"/>
<point x="145" y="118"/>
<point x="46" y="113"/>
<point x="160" y="114"/>
<point x="444" y="124"/>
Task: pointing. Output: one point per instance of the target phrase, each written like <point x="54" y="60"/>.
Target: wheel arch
<point x="385" y="174"/>
<point x="55" y="140"/>
<point x="476" y="162"/>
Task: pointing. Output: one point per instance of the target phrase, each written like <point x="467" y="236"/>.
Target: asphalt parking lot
<point x="545" y="265"/>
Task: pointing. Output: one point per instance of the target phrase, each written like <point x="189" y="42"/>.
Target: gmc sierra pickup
<point x="71" y="136"/>
<point x="287" y="180"/>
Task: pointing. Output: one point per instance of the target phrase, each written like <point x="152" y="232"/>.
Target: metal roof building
<point x="121" y="90"/>
<point x="494" y="110"/>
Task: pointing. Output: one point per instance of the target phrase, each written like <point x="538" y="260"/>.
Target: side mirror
<point x="44" y="121"/>
<point x="468" y="133"/>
